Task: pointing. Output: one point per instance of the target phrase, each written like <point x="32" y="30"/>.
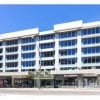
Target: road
<point x="58" y="91"/>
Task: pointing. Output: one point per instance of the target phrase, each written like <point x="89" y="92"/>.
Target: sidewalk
<point x="53" y="89"/>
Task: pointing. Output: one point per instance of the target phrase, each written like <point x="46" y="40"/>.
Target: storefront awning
<point x="76" y="72"/>
<point x="13" y="73"/>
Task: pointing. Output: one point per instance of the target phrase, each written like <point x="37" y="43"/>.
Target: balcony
<point x="90" y="55"/>
<point x="47" y="41"/>
<point x="14" y="45"/>
<point x="70" y="38"/>
<point x="11" y="53"/>
<point x="29" y="59"/>
<point x="47" y="58"/>
<point x="90" y="45"/>
<point x="28" y="51"/>
<point x="47" y="49"/>
<point x="48" y="67"/>
<point x="30" y="67"/>
<point x="11" y="68"/>
<point x="31" y="43"/>
<point x="68" y="56"/>
<point x="90" y="64"/>
<point x="68" y="65"/>
<point x="13" y="60"/>
<point x="91" y="35"/>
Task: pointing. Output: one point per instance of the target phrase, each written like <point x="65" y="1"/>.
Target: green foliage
<point x="41" y="75"/>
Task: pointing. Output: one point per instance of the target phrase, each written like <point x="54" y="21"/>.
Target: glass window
<point x="97" y="59"/>
<point x="47" y="54"/>
<point x="68" y="34"/>
<point x="91" y="40"/>
<point x="11" y="42"/>
<point x="29" y="47"/>
<point x="49" y="45"/>
<point x="47" y="37"/>
<point x="67" y="43"/>
<point x="97" y="39"/>
<point x="1" y="50"/>
<point x="12" y="49"/>
<point x="89" y="50"/>
<point x="93" y="50"/>
<point x="93" y="30"/>
<point x="27" y="40"/>
<point x="90" y="31"/>
<point x="84" y="32"/>
<point x="47" y="63"/>
<point x="97" y="30"/>
<point x="84" y="60"/>
<point x="12" y="64"/>
<point x="97" y="49"/>
<point x="28" y="55"/>
<point x="84" y="50"/>
<point x="68" y="52"/>
<point x="85" y="41"/>
<point x="68" y="61"/>
<point x="12" y="57"/>
<point x="91" y="60"/>
<point x="28" y="63"/>
<point x="1" y="43"/>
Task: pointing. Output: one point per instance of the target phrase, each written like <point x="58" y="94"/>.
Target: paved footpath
<point x="51" y="91"/>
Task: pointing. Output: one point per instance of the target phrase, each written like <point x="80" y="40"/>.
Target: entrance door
<point x="58" y="81"/>
<point x="5" y="81"/>
<point x="90" y="81"/>
<point x="46" y="83"/>
<point x="70" y="81"/>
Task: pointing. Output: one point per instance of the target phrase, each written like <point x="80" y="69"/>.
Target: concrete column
<point x="98" y="80"/>
<point x="79" y="49"/>
<point x="12" y="81"/>
<point x="19" y="55"/>
<point x="37" y="54"/>
<point x="57" y="52"/>
<point x="52" y="83"/>
<point x="36" y="83"/>
<point x="80" y="80"/>
<point x="4" y="58"/>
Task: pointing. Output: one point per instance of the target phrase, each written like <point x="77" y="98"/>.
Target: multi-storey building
<point x="71" y="52"/>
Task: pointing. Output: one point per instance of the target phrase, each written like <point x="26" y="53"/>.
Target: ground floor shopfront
<point x="60" y="79"/>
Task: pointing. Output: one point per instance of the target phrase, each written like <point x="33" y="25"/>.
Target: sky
<point x="21" y="17"/>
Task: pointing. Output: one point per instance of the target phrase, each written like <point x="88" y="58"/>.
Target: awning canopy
<point x="77" y="72"/>
<point x="13" y="73"/>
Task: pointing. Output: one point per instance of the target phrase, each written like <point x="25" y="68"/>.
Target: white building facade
<point x="70" y="52"/>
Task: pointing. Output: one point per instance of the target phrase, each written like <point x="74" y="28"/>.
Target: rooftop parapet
<point x="68" y="26"/>
<point x="17" y="34"/>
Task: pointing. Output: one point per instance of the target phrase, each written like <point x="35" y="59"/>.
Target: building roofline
<point x="68" y="26"/>
<point x="17" y="34"/>
<point x="91" y="24"/>
<point x="46" y="32"/>
<point x="74" y="25"/>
